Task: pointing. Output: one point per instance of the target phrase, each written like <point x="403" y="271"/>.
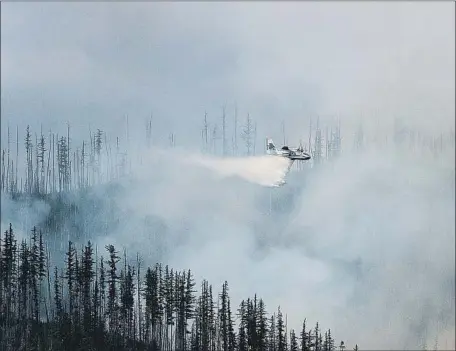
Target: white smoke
<point x="263" y="170"/>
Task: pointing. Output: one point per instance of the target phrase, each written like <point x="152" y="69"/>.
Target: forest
<point x="97" y="299"/>
<point x="97" y="302"/>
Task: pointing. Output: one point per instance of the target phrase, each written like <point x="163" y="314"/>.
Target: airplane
<point x="294" y="154"/>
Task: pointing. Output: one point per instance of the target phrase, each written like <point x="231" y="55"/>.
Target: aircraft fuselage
<point x="294" y="154"/>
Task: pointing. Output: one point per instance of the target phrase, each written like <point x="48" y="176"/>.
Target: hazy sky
<point x="97" y="62"/>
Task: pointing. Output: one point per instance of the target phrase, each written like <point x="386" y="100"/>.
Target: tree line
<point x="97" y="301"/>
<point x="52" y="163"/>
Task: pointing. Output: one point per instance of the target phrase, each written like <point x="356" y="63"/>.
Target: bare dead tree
<point x="254" y="137"/>
<point x="172" y="139"/>
<point x="3" y="170"/>
<point x="247" y="133"/>
<point x="215" y="137"/>
<point x="235" y="146"/>
<point x="28" y="148"/>
<point x="41" y="151"/>
<point x="17" y="156"/>
<point x="8" y="160"/>
<point x="317" y="154"/>
<point x="224" y="130"/>
<point x="149" y="131"/>
<point x="205" y="133"/>
<point x="68" y="162"/>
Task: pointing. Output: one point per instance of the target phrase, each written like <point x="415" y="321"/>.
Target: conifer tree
<point x="242" y="334"/>
<point x="102" y="305"/>
<point x="231" y="333"/>
<point x="251" y="320"/>
<point x="330" y="341"/>
<point x="70" y="275"/>
<point x="87" y="273"/>
<point x="305" y="341"/>
<point x="189" y="297"/>
<point x="127" y="301"/>
<point x="293" y="341"/>
<point x="262" y="326"/>
<point x="23" y="280"/>
<point x="112" y="288"/>
<point x="281" y="335"/>
<point x="272" y="343"/>
<point x="57" y="297"/>
<point x="316" y="338"/>
<point x="223" y="317"/>
<point x="34" y="272"/>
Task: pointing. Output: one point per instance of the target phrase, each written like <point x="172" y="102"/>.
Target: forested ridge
<point x="98" y="301"/>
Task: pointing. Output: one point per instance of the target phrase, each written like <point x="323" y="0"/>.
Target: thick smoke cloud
<point x="364" y="244"/>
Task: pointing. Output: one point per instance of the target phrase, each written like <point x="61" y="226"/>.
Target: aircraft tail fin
<point x="270" y="147"/>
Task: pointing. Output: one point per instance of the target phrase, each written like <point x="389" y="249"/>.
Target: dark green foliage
<point x="293" y="341"/>
<point x="281" y="335"/>
<point x="305" y="337"/>
<point x="93" y="307"/>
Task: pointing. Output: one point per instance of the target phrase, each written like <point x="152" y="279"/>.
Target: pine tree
<point x="272" y="342"/>
<point x="314" y="338"/>
<point x="87" y="278"/>
<point x="205" y="316"/>
<point x="223" y="317"/>
<point x="169" y="303"/>
<point x="139" y="306"/>
<point x="242" y="335"/>
<point x="58" y="297"/>
<point x="102" y="305"/>
<point x="330" y="342"/>
<point x="127" y="301"/>
<point x="23" y="280"/>
<point x="8" y="275"/>
<point x="231" y="333"/>
<point x="112" y="288"/>
<point x="189" y="297"/>
<point x="281" y="336"/>
<point x="251" y="323"/>
<point x="70" y="275"/>
<point x="34" y="272"/>
<point x="293" y="341"/>
<point x="41" y="258"/>
<point x="342" y="346"/>
<point x="305" y="341"/>
<point x="149" y="292"/>
<point x="181" y="321"/>
<point x="262" y="326"/>
<point x="212" y="321"/>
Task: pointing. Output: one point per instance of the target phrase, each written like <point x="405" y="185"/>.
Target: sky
<point x="366" y="246"/>
<point x="98" y="62"/>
